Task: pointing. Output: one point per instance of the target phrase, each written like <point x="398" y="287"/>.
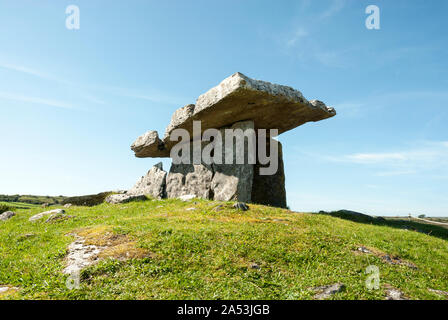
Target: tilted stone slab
<point x="150" y="145"/>
<point x="152" y="184"/>
<point x="238" y="98"/>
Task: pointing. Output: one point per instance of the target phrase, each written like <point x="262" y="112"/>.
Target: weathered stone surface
<point x="149" y="145"/>
<point x="394" y="294"/>
<point x="238" y="98"/>
<point x="56" y="217"/>
<point x="80" y="255"/>
<point x="221" y="182"/>
<point x="180" y="116"/>
<point x="439" y="292"/>
<point x="6" y="215"/>
<point x="152" y="184"/>
<point x="189" y="179"/>
<point x="124" y="198"/>
<point x="46" y="213"/>
<point x="6" y="289"/>
<point x="270" y="189"/>
<point x="325" y="292"/>
<point x="233" y="181"/>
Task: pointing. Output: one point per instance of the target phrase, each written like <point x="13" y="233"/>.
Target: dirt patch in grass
<point x="390" y="259"/>
<point x="117" y="246"/>
<point x="99" y="243"/>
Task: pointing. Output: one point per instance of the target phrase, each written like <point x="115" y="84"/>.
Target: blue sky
<point x="72" y="101"/>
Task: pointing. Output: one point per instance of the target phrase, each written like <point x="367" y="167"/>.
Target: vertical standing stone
<point x="270" y="190"/>
<point x="186" y="179"/>
<point x="234" y="181"/>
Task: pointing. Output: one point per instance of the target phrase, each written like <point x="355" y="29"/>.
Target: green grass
<point x="19" y="205"/>
<point x="206" y="254"/>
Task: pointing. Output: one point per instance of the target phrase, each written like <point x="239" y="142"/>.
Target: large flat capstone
<point x="237" y="98"/>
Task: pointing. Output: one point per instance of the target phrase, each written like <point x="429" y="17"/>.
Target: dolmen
<point x="224" y="147"/>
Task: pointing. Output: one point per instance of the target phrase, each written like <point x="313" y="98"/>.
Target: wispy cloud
<point x="425" y="157"/>
<point x="35" y="100"/>
<point x="335" y="7"/>
<point x="300" y="33"/>
<point x="33" y="72"/>
<point x="304" y="42"/>
<point x="152" y="95"/>
<point x="25" y="70"/>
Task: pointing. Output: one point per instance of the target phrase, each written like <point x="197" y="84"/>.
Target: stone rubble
<point x="325" y="292"/>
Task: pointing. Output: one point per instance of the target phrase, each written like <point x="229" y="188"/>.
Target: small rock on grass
<point x="57" y="217"/>
<point x="254" y="266"/>
<point x="46" y="213"/>
<point x="4" y="289"/>
<point x="394" y="294"/>
<point x="7" y="215"/>
<point x="187" y="197"/>
<point x="439" y="292"/>
<point x="325" y="292"/>
<point x="241" y="206"/>
<point x="124" y="198"/>
<point x="364" y="250"/>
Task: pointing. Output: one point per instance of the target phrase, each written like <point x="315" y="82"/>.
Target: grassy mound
<point x="88" y="200"/>
<point x="203" y="253"/>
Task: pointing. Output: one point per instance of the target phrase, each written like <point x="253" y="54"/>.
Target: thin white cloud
<point x="335" y="7"/>
<point x="377" y="157"/>
<point x="300" y="33"/>
<point x="25" y="70"/>
<point x="423" y="158"/>
<point x="35" y="100"/>
<point x="152" y="95"/>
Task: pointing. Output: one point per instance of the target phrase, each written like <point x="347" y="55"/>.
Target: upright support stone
<point x="185" y="179"/>
<point x="270" y="189"/>
<point x="234" y="181"/>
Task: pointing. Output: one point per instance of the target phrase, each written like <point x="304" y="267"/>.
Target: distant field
<point x="427" y="221"/>
<point x="19" y="205"/>
<point x="24" y="200"/>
